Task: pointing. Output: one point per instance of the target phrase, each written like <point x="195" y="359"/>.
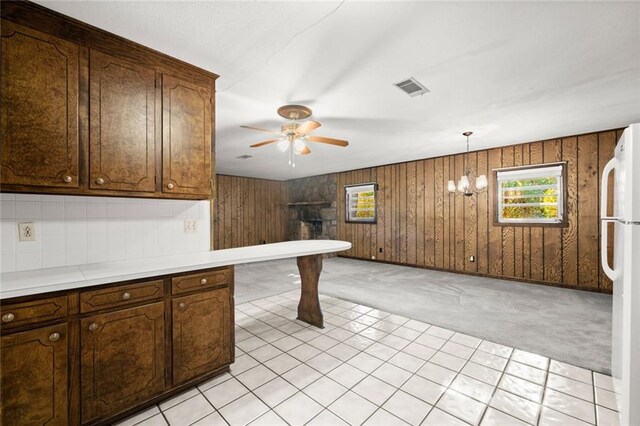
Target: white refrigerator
<point x="625" y="271"/>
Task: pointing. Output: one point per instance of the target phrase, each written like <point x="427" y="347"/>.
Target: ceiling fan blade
<point x="267" y="142"/>
<point x="330" y="141"/>
<point x="307" y="127"/>
<point x="274" y="132"/>
<point x="305" y="151"/>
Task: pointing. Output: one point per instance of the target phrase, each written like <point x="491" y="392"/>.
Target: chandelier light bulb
<point x="481" y="182"/>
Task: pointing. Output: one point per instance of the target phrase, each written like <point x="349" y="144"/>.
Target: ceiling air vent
<point x="412" y="87"/>
<point x="244" y="157"/>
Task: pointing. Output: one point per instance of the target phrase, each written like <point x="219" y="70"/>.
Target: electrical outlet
<point x="373" y="257"/>
<point x="190" y="226"/>
<point x="27" y="231"/>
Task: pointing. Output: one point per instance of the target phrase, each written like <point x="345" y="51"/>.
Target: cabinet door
<point x="39" y="108"/>
<point x="201" y="333"/>
<point x="122" y="359"/>
<point x="122" y="125"/>
<point x="186" y="137"/>
<point x="33" y="377"/>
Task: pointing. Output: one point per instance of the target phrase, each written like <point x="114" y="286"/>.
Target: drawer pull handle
<point x="54" y="337"/>
<point x="170" y="185"/>
<point x="67" y="179"/>
<point x="126" y="295"/>
<point x="203" y="281"/>
<point x="93" y="326"/>
<point x="8" y="317"/>
<point x="100" y="181"/>
<point x="182" y="306"/>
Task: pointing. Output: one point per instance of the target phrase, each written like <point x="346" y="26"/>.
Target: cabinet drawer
<point x="193" y="282"/>
<point x="15" y="315"/>
<point x="120" y="296"/>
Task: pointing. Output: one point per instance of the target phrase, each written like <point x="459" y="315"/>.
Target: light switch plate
<point x="190" y="226"/>
<point x="27" y="231"/>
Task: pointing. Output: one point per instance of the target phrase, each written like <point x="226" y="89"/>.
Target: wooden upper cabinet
<point x="122" y="359"/>
<point x="34" y="377"/>
<point x="186" y="137"/>
<point x="39" y="108"/>
<point x="122" y="124"/>
<point x="202" y="325"/>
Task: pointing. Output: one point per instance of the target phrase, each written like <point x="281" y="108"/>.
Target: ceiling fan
<point x="294" y="135"/>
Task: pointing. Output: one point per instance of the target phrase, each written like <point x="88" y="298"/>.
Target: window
<point x="531" y="195"/>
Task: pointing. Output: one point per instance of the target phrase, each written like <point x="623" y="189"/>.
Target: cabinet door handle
<point x="100" y="181"/>
<point x="8" y="317"/>
<point x="67" y="179"/>
<point x="182" y="306"/>
<point x="54" y="337"/>
<point x="126" y="295"/>
<point x="170" y="185"/>
<point x="203" y="281"/>
<point x="93" y="326"/>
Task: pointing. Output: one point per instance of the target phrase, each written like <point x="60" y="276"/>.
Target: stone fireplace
<point x="312" y="210"/>
<point x="311" y="220"/>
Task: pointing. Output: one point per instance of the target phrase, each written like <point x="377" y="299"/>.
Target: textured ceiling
<point x="509" y="71"/>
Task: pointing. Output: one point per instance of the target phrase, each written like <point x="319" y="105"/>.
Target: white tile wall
<point x="79" y="230"/>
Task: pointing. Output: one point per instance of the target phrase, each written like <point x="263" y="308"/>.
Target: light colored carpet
<point x="567" y="325"/>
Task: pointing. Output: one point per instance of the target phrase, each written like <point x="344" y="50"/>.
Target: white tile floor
<point x="374" y="368"/>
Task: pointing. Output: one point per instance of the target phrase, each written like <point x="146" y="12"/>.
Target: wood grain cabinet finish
<point x="186" y="137"/>
<point x="201" y="333"/>
<point x="39" y="108"/>
<point x="122" y="359"/>
<point x="13" y="315"/>
<point x="193" y="282"/>
<point x="34" y="377"/>
<point x="120" y="296"/>
<point x="94" y="355"/>
<point x="122" y="125"/>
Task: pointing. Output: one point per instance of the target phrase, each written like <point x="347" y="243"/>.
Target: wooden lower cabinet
<point x="91" y="356"/>
<point x="122" y="359"/>
<point x="34" y="377"/>
<point x="201" y="333"/>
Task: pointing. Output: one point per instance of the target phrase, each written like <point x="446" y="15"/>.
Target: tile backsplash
<point x="74" y="230"/>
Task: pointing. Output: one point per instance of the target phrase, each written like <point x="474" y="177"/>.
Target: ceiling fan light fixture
<point x="283" y="145"/>
<point x="299" y="146"/>
<point x="294" y="135"/>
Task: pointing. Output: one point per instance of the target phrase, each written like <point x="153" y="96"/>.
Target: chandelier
<point x="464" y="186"/>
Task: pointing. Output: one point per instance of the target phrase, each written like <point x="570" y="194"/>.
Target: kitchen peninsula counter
<point x="28" y="283"/>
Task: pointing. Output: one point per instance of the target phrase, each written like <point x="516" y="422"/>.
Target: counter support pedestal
<point x="309" y="307"/>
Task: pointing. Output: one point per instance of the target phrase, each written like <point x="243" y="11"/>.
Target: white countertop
<point x="15" y="284"/>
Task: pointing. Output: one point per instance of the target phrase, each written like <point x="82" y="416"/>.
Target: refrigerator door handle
<point x="605" y="220"/>
<point x="611" y="273"/>
<point x="604" y="199"/>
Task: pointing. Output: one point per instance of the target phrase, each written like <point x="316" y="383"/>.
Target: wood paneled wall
<point x="249" y="211"/>
<point x="420" y="223"/>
